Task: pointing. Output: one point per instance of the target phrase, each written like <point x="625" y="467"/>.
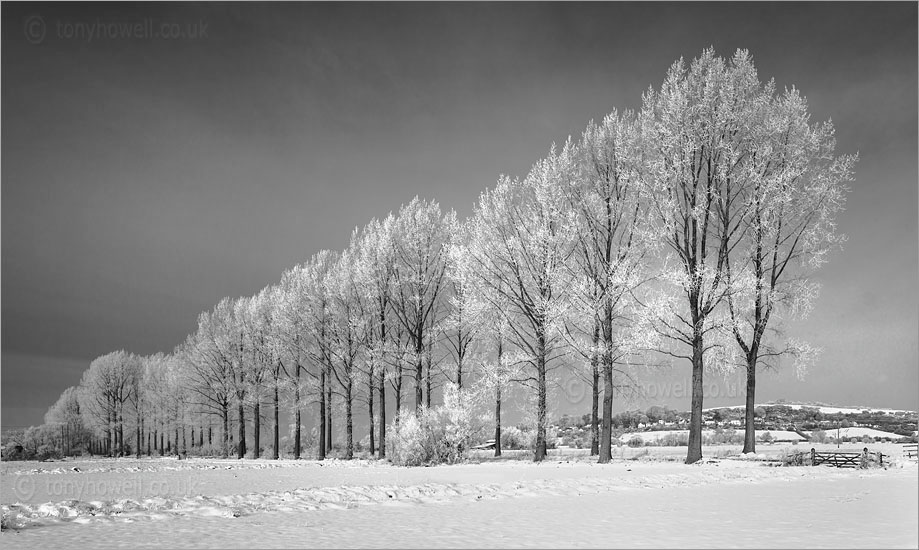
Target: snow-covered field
<point x="566" y="501"/>
<point x="782" y="435"/>
<point x="861" y="432"/>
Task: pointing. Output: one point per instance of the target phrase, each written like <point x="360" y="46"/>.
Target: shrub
<point x="515" y="438"/>
<point x="13" y="451"/>
<point x="818" y="436"/>
<point x="636" y="441"/>
<point x="46" y="452"/>
<point x="438" y="435"/>
<point x="406" y="441"/>
<point x="674" y="440"/>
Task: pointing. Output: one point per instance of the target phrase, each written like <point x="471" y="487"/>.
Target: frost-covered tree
<point x="465" y="307"/>
<point x="420" y="236"/>
<point x="68" y="415"/>
<point x="294" y="344"/>
<point x="348" y="328"/>
<point x="794" y="190"/>
<point x="308" y="318"/>
<point x="106" y="387"/>
<point x="520" y="241"/>
<point x="262" y="354"/>
<point x="376" y="265"/>
<point x="231" y="317"/>
<point x="698" y="128"/>
<point x="498" y="370"/>
<point x="268" y="352"/>
<point x="610" y="252"/>
<point x="210" y="373"/>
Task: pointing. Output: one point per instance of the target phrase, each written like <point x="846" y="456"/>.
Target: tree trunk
<point x="594" y="409"/>
<point x="749" y="438"/>
<point x="382" y="381"/>
<point x="108" y="431"/>
<point x="459" y="357"/>
<point x="120" y="434"/>
<point x="399" y="393"/>
<point x="297" y="435"/>
<point x="139" y="440"/>
<point x="257" y="428"/>
<point x="694" y="452"/>
<point x="498" y="420"/>
<point x="606" y="431"/>
<point x="427" y="383"/>
<point x="277" y="424"/>
<point x="540" y="451"/>
<point x="328" y="414"/>
<point x="382" y="412"/>
<point x="322" y="419"/>
<point x="225" y="418"/>
<point x="241" y="434"/>
<point x="349" y="422"/>
<point x="419" y="365"/>
<point x="370" y="388"/>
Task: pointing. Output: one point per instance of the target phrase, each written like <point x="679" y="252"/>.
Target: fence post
<point x="813" y="456"/>
<point x="864" y="463"/>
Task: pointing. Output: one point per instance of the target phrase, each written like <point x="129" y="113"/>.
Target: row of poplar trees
<point x="685" y="232"/>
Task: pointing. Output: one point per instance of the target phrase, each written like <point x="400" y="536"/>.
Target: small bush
<point x="674" y="440"/>
<point x="406" y="442"/>
<point x="47" y="452"/>
<point x="441" y="434"/>
<point x="636" y="441"/>
<point x="514" y="438"/>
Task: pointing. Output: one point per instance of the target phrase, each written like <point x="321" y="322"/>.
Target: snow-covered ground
<point x="782" y="435"/>
<point x="510" y="503"/>
<point x="861" y="432"/>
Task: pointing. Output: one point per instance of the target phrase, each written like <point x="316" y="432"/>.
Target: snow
<point x="861" y="432"/>
<point x="782" y="435"/>
<point x="492" y="504"/>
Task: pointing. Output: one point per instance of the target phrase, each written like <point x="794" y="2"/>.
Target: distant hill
<point x="825" y="409"/>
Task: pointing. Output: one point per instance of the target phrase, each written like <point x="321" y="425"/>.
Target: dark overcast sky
<point x="144" y="179"/>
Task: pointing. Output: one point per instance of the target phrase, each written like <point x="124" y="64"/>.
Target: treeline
<point x="683" y="231"/>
